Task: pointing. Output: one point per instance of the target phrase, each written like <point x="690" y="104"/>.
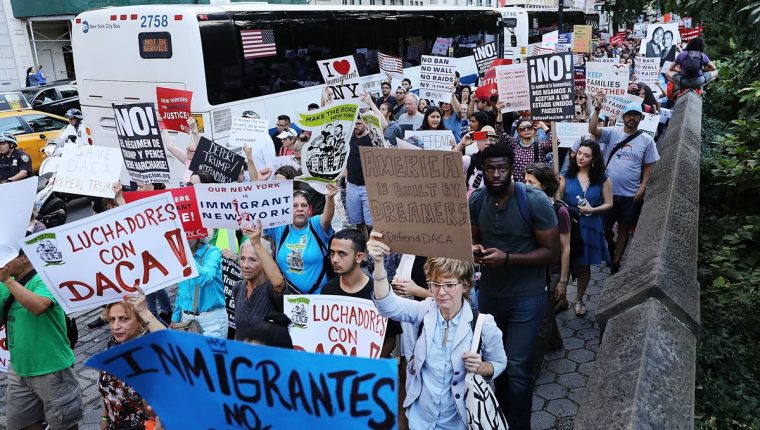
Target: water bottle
<point x="581" y="203"/>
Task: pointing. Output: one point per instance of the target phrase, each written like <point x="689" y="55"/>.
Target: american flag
<point x="258" y="43"/>
<point x="390" y="64"/>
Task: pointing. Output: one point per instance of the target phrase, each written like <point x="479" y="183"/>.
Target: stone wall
<point x="643" y="377"/>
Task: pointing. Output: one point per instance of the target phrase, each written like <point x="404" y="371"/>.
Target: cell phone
<point x="478" y="254"/>
<point x="479" y="135"/>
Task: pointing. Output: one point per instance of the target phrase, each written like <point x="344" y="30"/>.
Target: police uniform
<point x="13" y="163"/>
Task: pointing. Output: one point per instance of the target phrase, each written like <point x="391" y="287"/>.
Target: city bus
<point x="121" y="54"/>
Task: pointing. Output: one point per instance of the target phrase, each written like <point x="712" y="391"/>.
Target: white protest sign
<point x="665" y="115"/>
<point x="570" y="132"/>
<point x="253" y="132"/>
<point x="437" y="78"/>
<point x="648" y="70"/>
<point x="325" y="156"/>
<point x="337" y="325"/>
<point x="339" y="70"/>
<point x="237" y="206"/>
<point x="441" y="46"/>
<point x="605" y="60"/>
<point x="432" y="139"/>
<point x="5" y="355"/>
<point x="614" y="105"/>
<point x="99" y="259"/>
<point x="550" y="40"/>
<point x="666" y="67"/>
<point x="15" y="221"/>
<point x="285" y="160"/>
<point x="403" y="144"/>
<point x="659" y="40"/>
<point x="141" y="142"/>
<point x="648" y="124"/>
<point x="512" y="81"/>
<point x="88" y="170"/>
<point x="607" y="78"/>
<point x="393" y="66"/>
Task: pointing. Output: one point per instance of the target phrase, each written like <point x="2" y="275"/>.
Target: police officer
<point x="74" y="132"/>
<point x="15" y="164"/>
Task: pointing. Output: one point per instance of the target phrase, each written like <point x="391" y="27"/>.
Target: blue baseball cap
<point x="633" y="107"/>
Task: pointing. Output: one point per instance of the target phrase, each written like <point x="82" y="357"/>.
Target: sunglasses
<point x="525" y="128"/>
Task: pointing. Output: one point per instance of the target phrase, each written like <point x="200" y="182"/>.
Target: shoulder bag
<point x="483" y="411"/>
<point x="192" y="325"/>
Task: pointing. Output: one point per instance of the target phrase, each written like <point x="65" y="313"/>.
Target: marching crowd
<point x="534" y="230"/>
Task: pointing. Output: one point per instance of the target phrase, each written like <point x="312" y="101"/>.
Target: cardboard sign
<point x="608" y="78"/>
<point x="174" y="108"/>
<point x="552" y="92"/>
<point x="375" y="128"/>
<point x="648" y="70"/>
<point x="431" y="139"/>
<point x="99" y="259"/>
<point x="223" y="164"/>
<point x="140" y="142"/>
<point x="21" y="196"/>
<point x="582" y="38"/>
<point x="187" y="208"/>
<point x="227" y="384"/>
<point x="336" y="71"/>
<point x="252" y="132"/>
<point x="419" y="201"/>
<point x="231" y="275"/>
<point x="484" y="56"/>
<point x="325" y="156"/>
<point x="336" y="325"/>
<point x="570" y="132"/>
<point x="5" y="355"/>
<point x="614" y="105"/>
<point x="88" y="170"/>
<point x="437" y="78"/>
<point x="237" y="206"/>
<point x="512" y="82"/>
<point x="442" y="45"/>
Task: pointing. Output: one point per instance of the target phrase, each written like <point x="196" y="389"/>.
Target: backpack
<point x="521" y="194"/>
<point x="72" y="332"/>
<point x="691" y="66"/>
<point x="576" y="240"/>
<point x="327" y="270"/>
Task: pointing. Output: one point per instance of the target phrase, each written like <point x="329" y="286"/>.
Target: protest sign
<point x="174" y="107"/>
<point x="608" y="78"/>
<point x="15" y="222"/>
<point x="239" y="385"/>
<point x="565" y="42"/>
<point x="550" y="40"/>
<point x="536" y="49"/>
<point x="648" y="71"/>
<point x="237" y="206"/>
<point x="337" y="325"/>
<point x="187" y="208"/>
<point x="231" y="275"/>
<point x="484" y="56"/>
<point x="88" y="170"/>
<point x="99" y="259"/>
<point x="285" y="160"/>
<point x="665" y="115"/>
<point x="419" y="201"/>
<point x="639" y="30"/>
<point x="512" y="81"/>
<point x="431" y="139"/>
<point x="437" y="78"/>
<point x="570" y="132"/>
<point x="390" y="65"/>
<point x="140" y="142"/>
<point x="614" y="105"/>
<point x="582" y="38"/>
<point x="5" y="355"/>
<point x="605" y="60"/>
<point x="648" y="124"/>
<point x="441" y="46"/>
<point x="687" y="35"/>
<point x="375" y="128"/>
<point x="659" y="40"/>
<point x="223" y="164"/>
<point x="336" y="71"/>
<point x="618" y="38"/>
<point x="552" y="91"/>
<point x="488" y="86"/>
<point x="403" y="144"/>
<point x="251" y="132"/>
<point x="579" y="78"/>
<point x="325" y="156"/>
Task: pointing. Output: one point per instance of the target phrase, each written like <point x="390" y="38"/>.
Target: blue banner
<point x="198" y="382"/>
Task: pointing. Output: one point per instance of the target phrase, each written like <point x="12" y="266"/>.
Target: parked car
<point x="32" y="130"/>
<point x="55" y="99"/>
<point x="13" y="100"/>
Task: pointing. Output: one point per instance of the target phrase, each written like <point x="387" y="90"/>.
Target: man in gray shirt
<point x="412" y="118"/>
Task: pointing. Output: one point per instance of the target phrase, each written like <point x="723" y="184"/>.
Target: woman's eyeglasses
<point x="525" y="128"/>
<point x="436" y="286"/>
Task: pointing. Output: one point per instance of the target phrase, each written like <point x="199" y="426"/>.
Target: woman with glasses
<point x="528" y="146"/>
<point x="435" y="383"/>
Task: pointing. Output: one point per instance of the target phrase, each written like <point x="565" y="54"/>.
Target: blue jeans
<point x="158" y="301"/>
<point x="519" y="319"/>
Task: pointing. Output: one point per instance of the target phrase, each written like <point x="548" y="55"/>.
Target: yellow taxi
<point x="32" y="130"/>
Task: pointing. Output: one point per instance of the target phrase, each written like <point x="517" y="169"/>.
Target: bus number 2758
<point x="148" y="21"/>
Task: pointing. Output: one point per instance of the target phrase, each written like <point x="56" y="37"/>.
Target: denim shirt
<point x="436" y="408"/>
<point x="209" y="280"/>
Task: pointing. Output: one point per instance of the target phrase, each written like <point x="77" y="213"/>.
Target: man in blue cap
<point x="629" y="154"/>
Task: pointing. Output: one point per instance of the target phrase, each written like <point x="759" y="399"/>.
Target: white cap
<point x="7" y="253"/>
<point x="287" y="134"/>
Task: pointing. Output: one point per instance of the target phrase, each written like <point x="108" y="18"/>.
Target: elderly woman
<point x="123" y="407"/>
<point x="435" y="375"/>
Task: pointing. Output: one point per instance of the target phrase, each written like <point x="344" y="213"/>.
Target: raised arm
<point x="368" y="100"/>
<point x="378" y="250"/>
<point x="252" y="171"/>
<point x="327" y="215"/>
<point x="138" y="301"/>
<point x="593" y="122"/>
<point x="456" y="106"/>
<point x="271" y="270"/>
<point x="35" y="303"/>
